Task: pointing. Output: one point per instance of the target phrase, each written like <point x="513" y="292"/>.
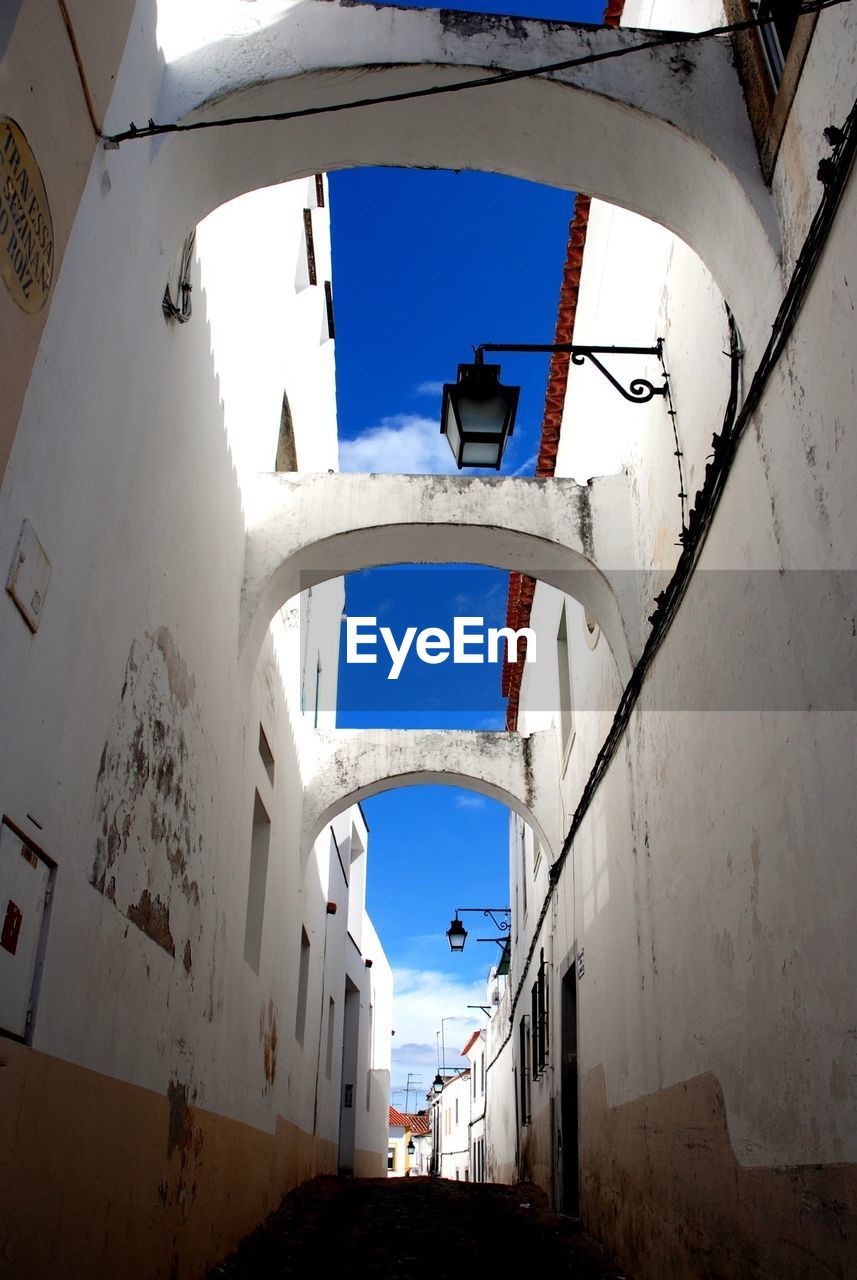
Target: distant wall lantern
<point x="411" y="1147"/>
<point x="437" y="1085"/>
<point x="477" y="415"/>
<point x="456" y="935"/>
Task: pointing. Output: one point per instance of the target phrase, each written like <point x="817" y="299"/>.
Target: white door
<point x="24" y="880"/>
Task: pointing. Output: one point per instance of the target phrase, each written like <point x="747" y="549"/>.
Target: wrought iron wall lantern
<point x="500" y="917"/>
<point x="477" y="414"/>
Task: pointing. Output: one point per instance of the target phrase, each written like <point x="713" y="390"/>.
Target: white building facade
<point x="475" y="1051"/>
<point x="664" y="978"/>
<point x="194" y="983"/>
<point x="451" y="1128"/>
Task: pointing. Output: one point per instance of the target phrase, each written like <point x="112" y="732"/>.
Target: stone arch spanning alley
<point x="308" y="529"/>
<point x="648" y="131"/>
<point x="679" y="108"/>
<point x="348" y="767"/>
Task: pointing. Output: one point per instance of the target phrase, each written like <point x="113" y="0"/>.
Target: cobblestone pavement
<point x="415" y="1229"/>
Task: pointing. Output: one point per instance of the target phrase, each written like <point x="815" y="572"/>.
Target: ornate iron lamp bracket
<point x="638" y="391"/>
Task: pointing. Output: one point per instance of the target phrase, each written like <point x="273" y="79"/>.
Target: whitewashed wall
<point x="707" y="889"/>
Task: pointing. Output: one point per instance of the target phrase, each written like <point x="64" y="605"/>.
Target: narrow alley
<point x="415" y="1227"/>
<point x="428" y="458"/>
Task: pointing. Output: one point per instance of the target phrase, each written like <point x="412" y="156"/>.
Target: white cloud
<point x="421" y="1055"/>
<point x="423" y="996"/>
<point x="430" y="389"/>
<point x="470" y="802"/>
<point x="404" y="442"/>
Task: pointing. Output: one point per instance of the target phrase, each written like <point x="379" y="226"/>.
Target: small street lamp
<point x="477" y="415"/>
<point x="500" y="917"/>
<point x="456" y="935"/>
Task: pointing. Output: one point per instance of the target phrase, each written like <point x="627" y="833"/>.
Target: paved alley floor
<point x="415" y="1229"/>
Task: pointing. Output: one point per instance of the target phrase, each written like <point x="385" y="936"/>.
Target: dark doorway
<point x="348" y="1104"/>
<point x="568" y="1084"/>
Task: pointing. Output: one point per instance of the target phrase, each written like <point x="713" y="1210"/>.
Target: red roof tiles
<point x="522" y="587"/>
<point x="418" y="1125"/>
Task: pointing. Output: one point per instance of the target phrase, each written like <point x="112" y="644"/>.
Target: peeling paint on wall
<point x="154" y="827"/>
<point x="268" y="1038"/>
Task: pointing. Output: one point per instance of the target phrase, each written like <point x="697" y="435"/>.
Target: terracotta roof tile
<point x="470" y="1043"/>
<point x="418" y="1125"/>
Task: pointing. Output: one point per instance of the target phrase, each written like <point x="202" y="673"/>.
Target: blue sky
<point x="427" y="264"/>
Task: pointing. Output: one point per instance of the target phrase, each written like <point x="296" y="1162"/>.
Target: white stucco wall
<point x="719" y="837"/>
<point x="125" y="734"/>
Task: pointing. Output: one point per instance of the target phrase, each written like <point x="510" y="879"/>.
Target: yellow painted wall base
<point x="370" y="1164"/>
<point x="663" y="1190"/>
<point x="99" y="1178"/>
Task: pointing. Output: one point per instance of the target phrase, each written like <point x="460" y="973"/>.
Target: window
<point x="391" y="1159"/>
<point x="524" y="866"/>
<point x="267" y="755"/>
<point x="371" y="1057"/>
<point x="456" y="1111"/>
<point x="317" y="689"/>
<point x="26" y="877"/>
<point x="770" y="59"/>
<point x="524" y="1069"/>
<point x="776" y="34"/>
<point x="260" y="841"/>
<point x="566" y="720"/>
<point x="540" y="1022"/>
<point x="483" y="1073"/>
<point x="287" y="457"/>
<point x="479" y="1160"/>
<point x="303" y="983"/>
<point x="331" y="1023"/>
<point x="312" y="274"/>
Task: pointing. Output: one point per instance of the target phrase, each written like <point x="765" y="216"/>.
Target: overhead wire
<point x="153" y="130"/>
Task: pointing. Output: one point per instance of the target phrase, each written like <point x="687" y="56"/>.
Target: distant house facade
<point x="451" y="1127"/>
<point x="475" y="1052"/>
<point x="409" y="1148"/>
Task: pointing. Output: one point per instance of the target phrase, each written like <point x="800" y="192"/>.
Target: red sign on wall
<point x="11" y="927"/>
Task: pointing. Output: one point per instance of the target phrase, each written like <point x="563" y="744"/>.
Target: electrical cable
<point x="833" y="172"/>
<point x="152" y="130"/>
<point x="182" y="309"/>
<point x="678" y="452"/>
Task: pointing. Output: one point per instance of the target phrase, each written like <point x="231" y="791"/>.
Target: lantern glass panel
<point x="451" y="427"/>
<point x="480" y="454"/>
<point x="482" y="415"/>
